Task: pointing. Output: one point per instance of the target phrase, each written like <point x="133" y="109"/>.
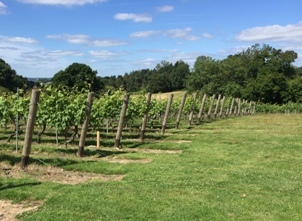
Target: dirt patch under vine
<point x="55" y="174"/>
<point x="138" y="150"/>
<point x="9" y="210"/>
<point x="126" y="161"/>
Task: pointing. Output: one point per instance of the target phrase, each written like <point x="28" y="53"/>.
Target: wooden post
<point x="244" y="109"/>
<point x="30" y="127"/>
<point x="203" y="102"/>
<point x="254" y="108"/>
<point x="235" y="110"/>
<point x="227" y="112"/>
<point x="249" y="112"/>
<point x="239" y="107"/>
<point x="98" y="140"/>
<point x="222" y="107"/>
<point x="211" y="107"/>
<point x="182" y="104"/>
<point x="144" y="123"/>
<point x="121" y="121"/>
<point x="164" y="124"/>
<point x="192" y="108"/>
<point x="17" y="124"/>
<point x="85" y="125"/>
<point x="217" y="106"/>
<point x="231" y="108"/>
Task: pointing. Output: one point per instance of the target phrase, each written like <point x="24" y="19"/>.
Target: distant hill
<point x="45" y="80"/>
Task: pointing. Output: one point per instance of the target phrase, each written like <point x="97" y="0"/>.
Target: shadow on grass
<point x="11" y="186"/>
<point x="88" y="152"/>
<point x="12" y="160"/>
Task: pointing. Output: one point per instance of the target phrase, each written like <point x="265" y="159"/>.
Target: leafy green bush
<point x="289" y="107"/>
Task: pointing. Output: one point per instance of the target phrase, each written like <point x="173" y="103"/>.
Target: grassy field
<point x="245" y="168"/>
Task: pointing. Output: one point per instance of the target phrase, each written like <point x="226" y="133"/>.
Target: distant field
<point x="162" y="96"/>
<point x="239" y="168"/>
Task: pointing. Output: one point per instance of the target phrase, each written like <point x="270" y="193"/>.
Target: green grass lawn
<point x="244" y="168"/>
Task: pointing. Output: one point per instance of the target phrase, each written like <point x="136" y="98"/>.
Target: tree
<point x="205" y="75"/>
<point x="299" y="71"/>
<point x="78" y="75"/>
<point x="295" y="88"/>
<point x="9" y="79"/>
<point x="137" y="80"/>
<point x="158" y="83"/>
<point x="181" y="71"/>
<point x="260" y="72"/>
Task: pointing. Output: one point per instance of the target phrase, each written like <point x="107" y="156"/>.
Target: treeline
<point x="260" y="73"/>
<point x="165" y="77"/>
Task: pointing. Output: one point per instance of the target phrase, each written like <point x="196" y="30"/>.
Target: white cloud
<point x="187" y="57"/>
<point x="30" y="59"/>
<point x="3" y="9"/>
<point x="145" y="63"/>
<point x="59" y="53"/>
<point x="105" y="54"/>
<point x="291" y="32"/>
<point x="234" y="50"/>
<point x="85" y="39"/>
<point x="144" y="34"/>
<point x="172" y="33"/>
<point x="133" y="17"/>
<point x="21" y="40"/>
<point x="107" y="42"/>
<point x="207" y="35"/>
<point x="292" y="47"/>
<point x="73" y="39"/>
<point x="158" y="50"/>
<point x="45" y="56"/>
<point x="62" y="2"/>
<point x="165" y="8"/>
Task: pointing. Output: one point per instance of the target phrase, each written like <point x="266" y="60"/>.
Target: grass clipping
<point x="55" y="174"/>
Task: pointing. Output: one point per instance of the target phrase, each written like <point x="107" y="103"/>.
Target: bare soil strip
<point x="126" y="161"/>
<point x="9" y="210"/>
<point x="55" y="174"/>
<point x="137" y="150"/>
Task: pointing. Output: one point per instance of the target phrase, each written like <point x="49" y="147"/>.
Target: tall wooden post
<point x="239" y="107"/>
<point x="222" y="107"/>
<point x="98" y="139"/>
<point x="121" y="122"/>
<point x="192" y="109"/>
<point x="244" y="108"/>
<point x="30" y="127"/>
<point x="249" y="112"/>
<point x="211" y="107"/>
<point x="227" y="112"/>
<point x="235" y="110"/>
<point x="231" y="108"/>
<point x="167" y="114"/>
<point x="85" y="125"/>
<point x="217" y="106"/>
<point x="254" y="108"/>
<point x="17" y="124"/>
<point x="144" y="123"/>
<point x="203" y="102"/>
<point x="182" y="104"/>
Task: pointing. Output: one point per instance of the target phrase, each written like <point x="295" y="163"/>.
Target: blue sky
<point x="38" y="38"/>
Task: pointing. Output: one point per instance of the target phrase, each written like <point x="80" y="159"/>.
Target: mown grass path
<point x="245" y="168"/>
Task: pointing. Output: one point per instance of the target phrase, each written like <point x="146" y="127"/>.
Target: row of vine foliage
<point x="63" y="109"/>
<point x="288" y="108"/>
